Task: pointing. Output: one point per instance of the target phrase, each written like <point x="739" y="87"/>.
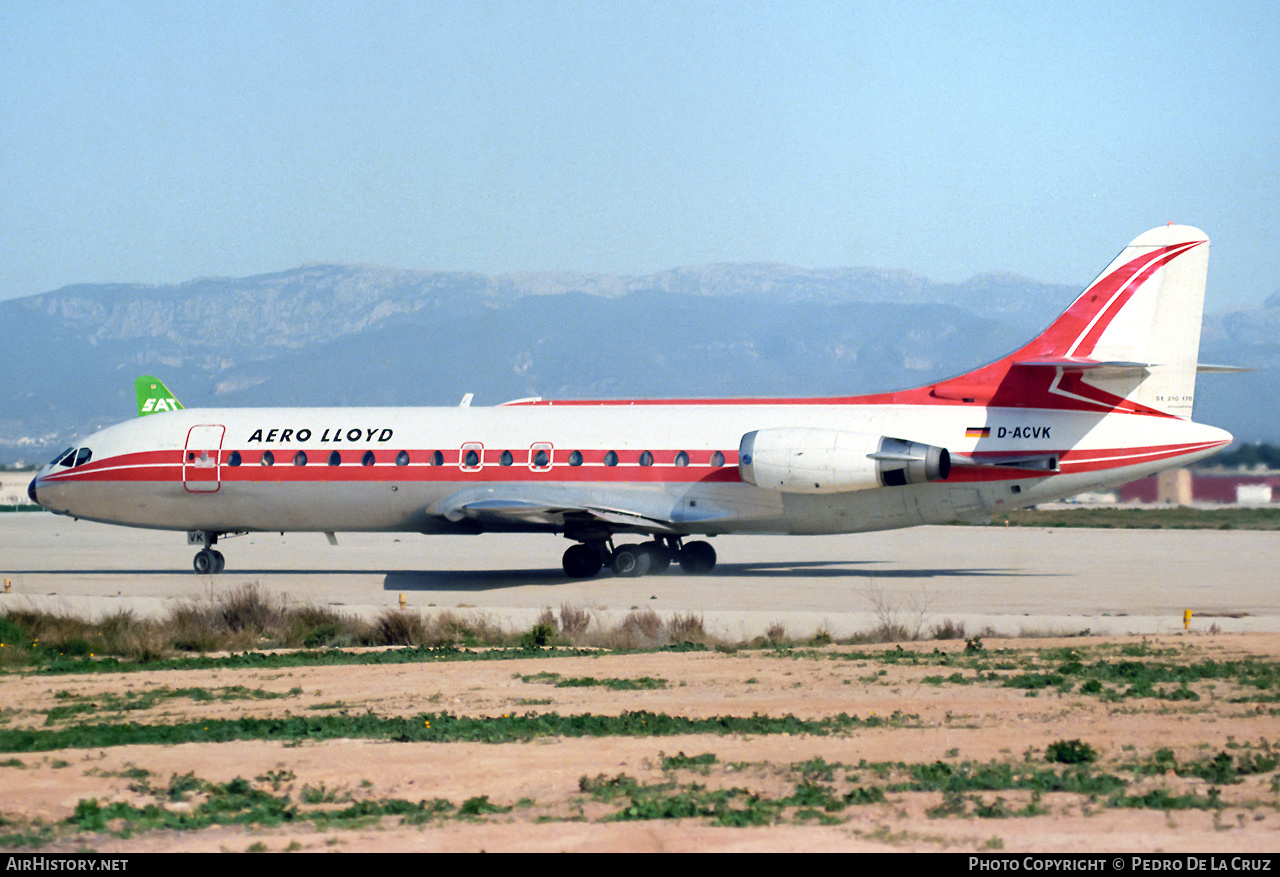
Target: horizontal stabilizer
<point x="1205" y="369"/>
<point x="1083" y="363"/>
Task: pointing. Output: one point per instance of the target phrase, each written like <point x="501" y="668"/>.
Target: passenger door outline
<point x="202" y="458"/>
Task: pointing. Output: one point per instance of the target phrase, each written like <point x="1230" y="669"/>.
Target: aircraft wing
<point x="554" y="505"/>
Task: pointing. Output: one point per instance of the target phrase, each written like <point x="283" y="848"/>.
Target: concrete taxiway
<point x="1013" y="580"/>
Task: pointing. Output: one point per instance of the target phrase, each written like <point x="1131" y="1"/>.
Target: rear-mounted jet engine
<point x="810" y="460"/>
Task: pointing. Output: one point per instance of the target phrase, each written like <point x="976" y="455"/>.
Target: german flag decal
<point x="978" y="432"/>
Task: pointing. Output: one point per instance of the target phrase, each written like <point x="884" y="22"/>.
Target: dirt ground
<point x="543" y="787"/>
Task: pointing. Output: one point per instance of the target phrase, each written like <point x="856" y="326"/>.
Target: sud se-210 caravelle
<point x="1101" y="397"/>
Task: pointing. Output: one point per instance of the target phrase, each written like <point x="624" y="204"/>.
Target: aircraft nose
<point x="31" y="492"/>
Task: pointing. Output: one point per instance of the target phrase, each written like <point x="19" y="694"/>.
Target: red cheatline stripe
<point x="168" y="466"/>
<point x="595" y="472"/>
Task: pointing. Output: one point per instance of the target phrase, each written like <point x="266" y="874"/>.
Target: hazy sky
<point x="160" y="141"/>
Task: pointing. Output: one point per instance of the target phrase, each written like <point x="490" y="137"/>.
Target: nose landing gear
<point x="208" y="561"/>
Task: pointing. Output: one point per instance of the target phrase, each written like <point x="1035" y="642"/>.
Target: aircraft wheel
<point x="659" y="557"/>
<point x="205" y="563"/>
<point x="631" y="561"/>
<point x="219" y="562"/>
<point x="581" y="562"/>
<point x="697" y="558"/>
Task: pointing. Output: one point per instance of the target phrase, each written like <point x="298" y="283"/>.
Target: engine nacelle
<point x="810" y="460"/>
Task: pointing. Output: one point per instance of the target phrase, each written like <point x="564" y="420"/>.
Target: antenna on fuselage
<point x="466" y="400"/>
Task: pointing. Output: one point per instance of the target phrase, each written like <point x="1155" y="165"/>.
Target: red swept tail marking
<point x="1130" y="277"/>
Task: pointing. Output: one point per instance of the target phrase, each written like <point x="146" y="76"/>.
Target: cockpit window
<point x="64" y="458"/>
<point x="82" y="456"/>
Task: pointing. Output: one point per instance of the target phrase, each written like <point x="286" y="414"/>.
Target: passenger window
<point x="717" y="459"/>
<point x="300" y="458"/>
<point x="611" y="459"/>
<point x="646" y="459"/>
<point x="575" y="459"/>
<point x="507" y="459"/>
<point x="335" y="459"/>
<point x="268" y="458"/>
<point x="367" y="459"/>
<point x="682" y="459"/>
<point x="234" y="459"/>
<point x="82" y="456"/>
<point x="402" y="458"/>
<point x="437" y="459"/>
<point x="540" y="456"/>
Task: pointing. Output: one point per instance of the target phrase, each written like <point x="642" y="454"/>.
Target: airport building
<point x="1188" y="486"/>
<point x="13" y="487"/>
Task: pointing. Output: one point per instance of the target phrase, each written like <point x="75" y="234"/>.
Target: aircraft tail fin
<point x="154" y="396"/>
<point x="1130" y="342"/>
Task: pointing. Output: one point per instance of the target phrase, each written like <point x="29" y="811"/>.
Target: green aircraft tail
<point x="154" y="396"/>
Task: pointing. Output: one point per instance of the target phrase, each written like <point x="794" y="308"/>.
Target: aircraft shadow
<point x="843" y="570"/>
<point x="490" y="580"/>
<point x="233" y="574"/>
<point x="473" y="579"/>
<point x="486" y="580"/>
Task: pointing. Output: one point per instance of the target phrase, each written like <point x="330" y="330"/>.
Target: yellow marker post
<point x="1186" y="619"/>
<point x="402" y="601"/>
<point x="7" y="584"/>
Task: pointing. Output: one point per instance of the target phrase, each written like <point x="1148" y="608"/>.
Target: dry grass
<point x="251" y="618"/>
<point x="574" y="621"/>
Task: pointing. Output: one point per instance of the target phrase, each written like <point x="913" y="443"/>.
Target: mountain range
<point x="365" y="335"/>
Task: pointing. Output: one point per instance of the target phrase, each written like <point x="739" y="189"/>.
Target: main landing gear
<point x="584" y="560"/>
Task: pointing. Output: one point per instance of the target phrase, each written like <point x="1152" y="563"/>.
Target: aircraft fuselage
<point x="396" y="469"/>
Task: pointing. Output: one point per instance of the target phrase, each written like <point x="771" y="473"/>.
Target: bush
<point x="1070" y="752"/>
<point x="539" y="636"/>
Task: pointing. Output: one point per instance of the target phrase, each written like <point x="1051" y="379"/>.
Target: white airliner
<point x="1101" y="397"/>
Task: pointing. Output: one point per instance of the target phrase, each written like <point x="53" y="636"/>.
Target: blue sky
<point x="155" y="142"/>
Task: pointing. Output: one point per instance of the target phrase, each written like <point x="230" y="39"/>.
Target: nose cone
<point x="31" y="491"/>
